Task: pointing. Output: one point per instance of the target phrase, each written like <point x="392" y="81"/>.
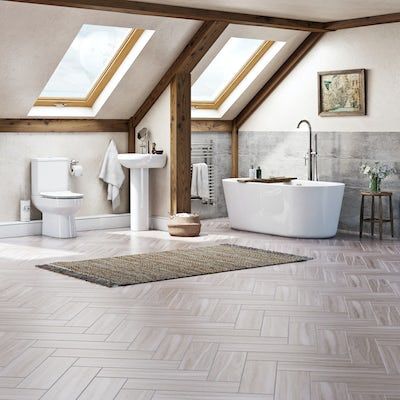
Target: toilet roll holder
<point x="73" y="164"/>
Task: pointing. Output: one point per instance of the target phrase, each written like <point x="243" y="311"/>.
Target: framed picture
<point x="342" y="93"/>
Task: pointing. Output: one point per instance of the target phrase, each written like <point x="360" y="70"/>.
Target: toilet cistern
<point x="312" y="154"/>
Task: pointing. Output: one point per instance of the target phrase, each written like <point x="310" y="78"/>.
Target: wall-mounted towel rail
<point x="204" y="153"/>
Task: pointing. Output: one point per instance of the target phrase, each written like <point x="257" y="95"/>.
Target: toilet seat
<point x="61" y="195"/>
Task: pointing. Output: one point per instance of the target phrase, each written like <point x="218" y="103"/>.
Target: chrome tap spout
<point x="312" y="154"/>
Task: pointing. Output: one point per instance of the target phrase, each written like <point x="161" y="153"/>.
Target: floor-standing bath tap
<point x="312" y="154"/>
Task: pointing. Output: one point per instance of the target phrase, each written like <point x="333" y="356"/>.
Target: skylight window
<point x="88" y="65"/>
<point x="230" y="66"/>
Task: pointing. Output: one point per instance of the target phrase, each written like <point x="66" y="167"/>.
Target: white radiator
<point x="204" y="153"/>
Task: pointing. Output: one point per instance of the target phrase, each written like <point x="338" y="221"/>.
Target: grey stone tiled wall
<point x="222" y="143"/>
<point x="340" y="155"/>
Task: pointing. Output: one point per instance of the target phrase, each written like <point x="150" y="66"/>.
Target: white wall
<point x="374" y="48"/>
<point x="17" y="149"/>
<point x="157" y="120"/>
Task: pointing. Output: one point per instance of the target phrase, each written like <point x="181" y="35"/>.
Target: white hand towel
<point x="112" y="173"/>
<point x="194" y="191"/>
<point x="202" y="182"/>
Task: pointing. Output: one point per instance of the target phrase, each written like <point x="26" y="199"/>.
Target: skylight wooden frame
<point x="101" y="82"/>
<point x="237" y="79"/>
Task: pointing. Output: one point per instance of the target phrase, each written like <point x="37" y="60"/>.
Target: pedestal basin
<point x="133" y="160"/>
<point x="139" y="165"/>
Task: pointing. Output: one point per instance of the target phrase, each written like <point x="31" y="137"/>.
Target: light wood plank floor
<point x="325" y="329"/>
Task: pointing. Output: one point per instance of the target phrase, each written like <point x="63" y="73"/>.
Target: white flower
<point x="377" y="170"/>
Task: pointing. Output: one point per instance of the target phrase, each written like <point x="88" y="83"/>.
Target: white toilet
<point x="51" y="195"/>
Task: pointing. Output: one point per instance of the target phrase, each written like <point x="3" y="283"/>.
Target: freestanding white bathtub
<point x="303" y="209"/>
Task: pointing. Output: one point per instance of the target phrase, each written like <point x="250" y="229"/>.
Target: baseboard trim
<point x="17" y="229"/>
<point x="91" y="223"/>
<point x="106" y="221"/>
<point x="159" y="223"/>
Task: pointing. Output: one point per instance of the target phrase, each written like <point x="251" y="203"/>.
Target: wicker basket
<point x="185" y="225"/>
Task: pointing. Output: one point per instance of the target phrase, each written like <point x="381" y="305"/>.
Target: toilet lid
<point x="62" y="195"/>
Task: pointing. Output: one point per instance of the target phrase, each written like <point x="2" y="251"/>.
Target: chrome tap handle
<point x="316" y="144"/>
<point x="316" y="157"/>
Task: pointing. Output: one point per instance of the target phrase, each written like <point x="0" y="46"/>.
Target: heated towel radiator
<point x="204" y="153"/>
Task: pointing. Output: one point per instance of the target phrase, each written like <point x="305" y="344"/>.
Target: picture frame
<point x="342" y="93"/>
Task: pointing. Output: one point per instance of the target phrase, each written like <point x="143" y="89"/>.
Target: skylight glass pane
<point x="224" y="67"/>
<point x="84" y="62"/>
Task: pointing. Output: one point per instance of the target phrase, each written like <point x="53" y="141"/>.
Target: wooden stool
<point x="372" y="218"/>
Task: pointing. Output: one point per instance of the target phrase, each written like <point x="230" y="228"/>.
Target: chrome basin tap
<point x="312" y="154"/>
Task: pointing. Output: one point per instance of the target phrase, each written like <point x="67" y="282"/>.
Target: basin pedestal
<point x="139" y="165"/>
<point x="139" y="191"/>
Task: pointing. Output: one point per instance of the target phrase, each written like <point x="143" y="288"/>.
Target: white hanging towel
<point x="112" y="173"/>
<point x="200" y="182"/>
<point x="194" y="188"/>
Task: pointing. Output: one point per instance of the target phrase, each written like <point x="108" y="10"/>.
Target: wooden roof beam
<point x="23" y="125"/>
<point x="366" y="21"/>
<point x="166" y="10"/>
<point x="211" y="125"/>
<point x="195" y="50"/>
<point x="200" y="14"/>
<point x="278" y="77"/>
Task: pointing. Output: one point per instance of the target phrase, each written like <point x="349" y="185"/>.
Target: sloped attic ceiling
<point x="34" y="39"/>
<point x="313" y="10"/>
<point x="292" y="39"/>
<point x="37" y="37"/>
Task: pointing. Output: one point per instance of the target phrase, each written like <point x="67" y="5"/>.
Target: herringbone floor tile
<point x="325" y="329"/>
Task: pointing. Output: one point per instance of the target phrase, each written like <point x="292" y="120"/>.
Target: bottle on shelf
<point x="252" y="172"/>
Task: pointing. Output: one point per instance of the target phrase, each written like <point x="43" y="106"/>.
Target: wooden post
<point x="235" y="150"/>
<point x="190" y="56"/>
<point x="180" y="153"/>
<point x="131" y="138"/>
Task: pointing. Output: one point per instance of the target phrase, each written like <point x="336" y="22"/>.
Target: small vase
<point x="375" y="184"/>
